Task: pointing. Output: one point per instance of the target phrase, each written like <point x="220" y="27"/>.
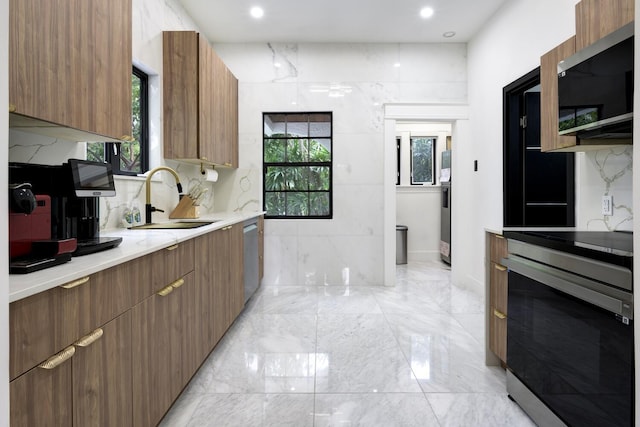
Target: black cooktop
<point x="615" y="247"/>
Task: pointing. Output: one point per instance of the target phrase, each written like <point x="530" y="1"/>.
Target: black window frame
<point x="266" y="165"/>
<point x="433" y="159"/>
<point x="399" y="155"/>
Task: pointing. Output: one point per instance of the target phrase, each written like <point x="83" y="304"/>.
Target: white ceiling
<point x="336" y="21"/>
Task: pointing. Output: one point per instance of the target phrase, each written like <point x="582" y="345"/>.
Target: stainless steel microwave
<point x="595" y="88"/>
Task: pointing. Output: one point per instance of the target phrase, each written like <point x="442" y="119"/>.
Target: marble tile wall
<point x="283" y="77"/>
<point x="605" y="172"/>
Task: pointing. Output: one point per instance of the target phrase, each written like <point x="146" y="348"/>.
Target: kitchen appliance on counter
<point x="74" y="188"/>
<point x="445" y="208"/>
<point x="570" y="352"/>
<point x="30" y="245"/>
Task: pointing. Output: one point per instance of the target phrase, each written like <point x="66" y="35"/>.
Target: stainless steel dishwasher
<point x="251" y="261"/>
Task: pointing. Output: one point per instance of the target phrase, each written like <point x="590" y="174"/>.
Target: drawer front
<point x="498" y="335"/>
<point x="498" y="247"/>
<point x="498" y="287"/>
<point x="45" y="323"/>
<point x="171" y="263"/>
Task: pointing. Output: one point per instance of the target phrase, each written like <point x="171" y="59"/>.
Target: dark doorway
<point x="538" y="187"/>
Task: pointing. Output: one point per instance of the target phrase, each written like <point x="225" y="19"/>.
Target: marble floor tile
<point x="408" y="355"/>
<point x="477" y="409"/>
<point x="374" y="409"/>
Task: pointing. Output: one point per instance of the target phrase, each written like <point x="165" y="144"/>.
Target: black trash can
<point x="401" y="244"/>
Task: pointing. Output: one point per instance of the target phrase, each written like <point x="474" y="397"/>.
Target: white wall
<point x="4" y="219"/>
<point x="279" y="77"/>
<point x="418" y="207"/>
<point x="509" y="46"/>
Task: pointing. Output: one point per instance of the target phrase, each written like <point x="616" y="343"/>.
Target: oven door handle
<point x="603" y="296"/>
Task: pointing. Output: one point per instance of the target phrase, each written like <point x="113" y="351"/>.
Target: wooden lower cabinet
<point x="90" y="388"/>
<point x="498" y="314"/>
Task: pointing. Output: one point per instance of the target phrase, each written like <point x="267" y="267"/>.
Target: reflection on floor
<point x="412" y="355"/>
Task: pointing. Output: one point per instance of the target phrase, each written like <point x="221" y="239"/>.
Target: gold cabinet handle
<point x="173" y="247"/>
<point x="499" y="314"/>
<point x="12" y="108"/>
<point x="127" y="138"/>
<point x="87" y="340"/>
<point x="500" y="268"/>
<point x="228" y="227"/>
<point x="58" y="359"/>
<point x="165" y="291"/>
<point x="75" y="283"/>
<point x="228" y="164"/>
<point x="499" y="236"/>
<point x="177" y="283"/>
<point x="204" y="158"/>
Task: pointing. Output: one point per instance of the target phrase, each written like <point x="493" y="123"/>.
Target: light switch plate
<point x="607" y="205"/>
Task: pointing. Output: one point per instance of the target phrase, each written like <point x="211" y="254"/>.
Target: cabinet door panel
<point x="42" y="397"/>
<point x="111" y="292"/>
<point x="597" y="18"/>
<point x="499" y="280"/>
<point x="549" y="138"/>
<point x="498" y="247"/>
<point x="156" y="357"/>
<point x="498" y="336"/>
<point x="102" y="377"/>
<point x="220" y="292"/>
<point x="45" y="323"/>
<point x="180" y="94"/>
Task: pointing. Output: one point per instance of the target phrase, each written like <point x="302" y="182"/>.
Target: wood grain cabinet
<point x="498" y="286"/>
<point x="597" y="18"/>
<point x="70" y="64"/>
<point x="87" y="383"/>
<point x="219" y="266"/>
<point x="550" y="140"/>
<point x="200" y="102"/>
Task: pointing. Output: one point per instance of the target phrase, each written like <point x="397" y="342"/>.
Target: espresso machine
<point x="73" y="189"/>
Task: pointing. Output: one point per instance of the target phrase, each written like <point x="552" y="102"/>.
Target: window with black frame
<point x="297" y="165"/>
<point x="423" y="160"/>
<point x="129" y="157"/>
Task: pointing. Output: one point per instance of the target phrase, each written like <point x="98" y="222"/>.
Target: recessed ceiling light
<point x="397" y="65"/>
<point x="448" y="34"/>
<point x="426" y="12"/>
<point x="257" y="12"/>
<point x="277" y="65"/>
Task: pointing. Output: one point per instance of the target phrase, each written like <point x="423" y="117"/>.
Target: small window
<point x="297" y="165"/>
<point x="423" y="160"/>
<point x="129" y="157"/>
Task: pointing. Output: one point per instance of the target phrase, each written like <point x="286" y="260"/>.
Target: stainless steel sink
<point x="172" y="225"/>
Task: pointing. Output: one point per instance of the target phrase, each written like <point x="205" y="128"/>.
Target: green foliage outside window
<point x="422" y="160"/>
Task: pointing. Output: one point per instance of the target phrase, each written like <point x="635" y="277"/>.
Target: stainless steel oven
<point x="570" y="358"/>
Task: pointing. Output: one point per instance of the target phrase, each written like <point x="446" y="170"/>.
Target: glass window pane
<point x="274" y="124"/>
<point x="320" y="125"/>
<point x="319" y="204"/>
<point x="274" y="150"/>
<point x="422" y="160"/>
<point x="95" y="151"/>
<point x="298" y="150"/>
<point x="298" y="125"/>
<point x="275" y="204"/>
<point x="275" y="179"/>
<point x="297" y="178"/>
<point x="130" y="159"/>
<point x="298" y="204"/>
<point x="320" y="150"/>
<point x="319" y="178"/>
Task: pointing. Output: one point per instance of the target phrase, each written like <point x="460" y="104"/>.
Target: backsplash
<point x="605" y="172"/>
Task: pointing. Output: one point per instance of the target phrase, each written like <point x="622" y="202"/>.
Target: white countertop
<point x="135" y="243"/>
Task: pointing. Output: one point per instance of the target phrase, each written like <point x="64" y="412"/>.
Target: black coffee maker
<point x="74" y="188"/>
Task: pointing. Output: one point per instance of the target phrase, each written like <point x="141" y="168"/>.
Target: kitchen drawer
<point x="171" y="263"/>
<point x="45" y="323"/>
<point x="498" y="247"/>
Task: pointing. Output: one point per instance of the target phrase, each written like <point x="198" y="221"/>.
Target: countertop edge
<point x="135" y="243"/>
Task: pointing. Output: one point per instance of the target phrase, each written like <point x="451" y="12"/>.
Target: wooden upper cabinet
<point x="200" y="102"/>
<point x="70" y="64"/>
<point x="597" y="18"/>
<point x="549" y="137"/>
